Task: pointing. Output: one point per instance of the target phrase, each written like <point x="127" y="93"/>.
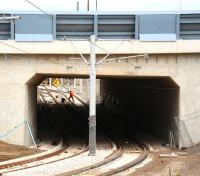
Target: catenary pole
<point x="92" y="108"/>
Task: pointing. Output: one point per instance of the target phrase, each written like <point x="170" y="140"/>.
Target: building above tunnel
<point x="142" y="26"/>
<point x="141" y="32"/>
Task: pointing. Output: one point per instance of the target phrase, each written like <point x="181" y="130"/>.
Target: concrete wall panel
<point x="12" y="112"/>
<point x="19" y="71"/>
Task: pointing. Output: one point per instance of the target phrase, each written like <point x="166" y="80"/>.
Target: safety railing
<point x="186" y="129"/>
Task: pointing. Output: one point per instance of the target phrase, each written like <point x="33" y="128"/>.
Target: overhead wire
<point x="99" y="47"/>
<point x="15" y="47"/>
<point x="64" y="65"/>
<point x="119" y="58"/>
<point x="105" y="57"/>
<point x="81" y="54"/>
<point x="38" y="7"/>
<point x="85" y="60"/>
<point x="127" y="57"/>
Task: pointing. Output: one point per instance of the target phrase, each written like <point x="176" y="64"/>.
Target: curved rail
<point x="113" y="156"/>
<point x="117" y="153"/>
<point x="40" y="156"/>
<point x="44" y="163"/>
<point x="129" y="165"/>
<point x="36" y="157"/>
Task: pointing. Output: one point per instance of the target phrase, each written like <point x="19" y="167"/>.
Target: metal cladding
<point x="5" y="28"/>
<point x="143" y="27"/>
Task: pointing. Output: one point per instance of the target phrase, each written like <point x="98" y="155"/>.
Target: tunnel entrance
<point x="146" y="104"/>
<point x="60" y="114"/>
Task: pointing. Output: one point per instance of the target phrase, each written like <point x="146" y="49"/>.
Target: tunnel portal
<point x="146" y="104"/>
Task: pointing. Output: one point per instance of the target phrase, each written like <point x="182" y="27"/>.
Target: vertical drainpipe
<point x="136" y="27"/>
<point x="12" y="28"/>
<point x="96" y="25"/>
<point x="54" y="26"/>
<point x="178" y="26"/>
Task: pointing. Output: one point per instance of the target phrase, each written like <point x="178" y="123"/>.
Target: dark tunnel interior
<point x="146" y="104"/>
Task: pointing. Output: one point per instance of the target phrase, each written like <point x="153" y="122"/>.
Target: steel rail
<point x="144" y="154"/>
<point x="45" y="156"/>
<point x="113" y="156"/>
<point x="34" y="157"/>
<point x="129" y="165"/>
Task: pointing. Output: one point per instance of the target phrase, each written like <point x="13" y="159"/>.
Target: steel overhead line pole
<point x="92" y="89"/>
<point x="92" y="108"/>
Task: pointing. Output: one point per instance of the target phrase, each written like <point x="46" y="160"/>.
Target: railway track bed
<point x="114" y="156"/>
<point x="62" y="166"/>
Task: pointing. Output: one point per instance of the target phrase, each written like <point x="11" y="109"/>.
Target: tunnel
<point x="146" y="104"/>
<point x="140" y="104"/>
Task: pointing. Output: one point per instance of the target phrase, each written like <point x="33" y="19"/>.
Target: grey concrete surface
<point x="19" y="74"/>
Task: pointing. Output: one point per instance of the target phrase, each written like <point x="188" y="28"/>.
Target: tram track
<point x="90" y="170"/>
<point x="26" y="162"/>
<point x="125" y="167"/>
<point x="114" y="156"/>
<point x="117" y="152"/>
<point x="108" y="157"/>
<point x="33" y="158"/>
